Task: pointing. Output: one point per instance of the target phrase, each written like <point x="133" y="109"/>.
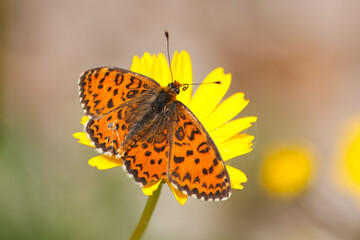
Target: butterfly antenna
<point x="217" y="82"/>
<point x="186" y="85"/>
<point x="168" y="53"/>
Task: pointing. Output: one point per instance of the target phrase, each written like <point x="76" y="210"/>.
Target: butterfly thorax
<point x="165" y="96"/>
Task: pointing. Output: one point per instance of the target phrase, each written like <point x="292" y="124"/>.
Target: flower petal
<point x="143" y="65"/>
<point x="236" y="146"/>
<point x="151" y="187"/>
<point x="180" y="197"/>
<point x="182" y="72"/>
<point x="136" y="64"/>
<point x="103" y="162"/>
<point x="83" y="138"/>
<point x="160" y="70"/>
<point x="236" y="177"/>
<point x="232" y="128"/>
<point x="84" y="119"/>
<point x="208" y="96"/>
<point x="226" y="111"/>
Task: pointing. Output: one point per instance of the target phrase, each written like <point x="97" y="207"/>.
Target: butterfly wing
<point x="104" y="89"/>
<point x="195" y="165"/>
<point x="148" y="159"/>
<point x="108" y="132"/>
<point x="114" y="99"/>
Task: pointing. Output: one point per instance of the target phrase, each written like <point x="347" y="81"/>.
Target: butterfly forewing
<point x="104" y="89"/>
<point x="113" y="98"/>
<point x="195" y="166"/>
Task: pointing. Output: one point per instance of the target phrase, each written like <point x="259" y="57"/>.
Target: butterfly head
<point x="175" y="87"/>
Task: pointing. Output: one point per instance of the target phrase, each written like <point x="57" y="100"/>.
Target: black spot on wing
<point x="110" y="103"/>
<point x="187" y="176"/>
<point x="189" y="153"/>
<point x="180" y="134"/>
<point x="203" y="148"/>
<point x="178" y="159"/>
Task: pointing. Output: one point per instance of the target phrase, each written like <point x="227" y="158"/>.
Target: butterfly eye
<point x="176" y="90"/>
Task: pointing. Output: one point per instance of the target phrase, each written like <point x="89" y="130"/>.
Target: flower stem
<point x="146" y="215"/>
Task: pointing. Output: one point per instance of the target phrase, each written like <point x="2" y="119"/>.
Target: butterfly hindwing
<point x="195" y="166"/>
<point x="108" y="132"/>
<point x="106" y="88"/>
<point x="148" y="159"/>
<point x="137" y="134"/>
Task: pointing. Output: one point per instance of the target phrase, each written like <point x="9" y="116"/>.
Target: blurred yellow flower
<point x="347" y="165"/>
<point x="287" y="171"/>
<point x="205" y="104"/>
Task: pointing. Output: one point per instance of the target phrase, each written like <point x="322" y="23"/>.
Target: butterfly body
<point x="160" y="105"/>
<point x="133" y="118"/>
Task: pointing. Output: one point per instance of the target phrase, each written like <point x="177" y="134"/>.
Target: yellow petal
<point x="236" y="146"/>
<point x="151" y="187"/>
<point x="84" y="119"/>
<point x="160" y="70"/>
<point x="103" y="162"/>
<point x="143" y="65"/>
<point x="182" y="72"/>
<point x="208" y="96"/>
<point x="175" y="59"/>
<point x="135" y="65"/>
<point x="83" y="139"/>
<point x="225" y="111"/>
<point x="180" y="197"/>
<point x="236" y="177"/>
<point x="232" y="128"/>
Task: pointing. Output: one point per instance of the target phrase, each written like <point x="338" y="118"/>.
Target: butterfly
<point x="139" y="122"/>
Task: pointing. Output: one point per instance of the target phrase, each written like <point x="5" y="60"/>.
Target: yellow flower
<point x="205" y="104"/>
<point x="347" y="166"/>
<point x="287" y="171"/>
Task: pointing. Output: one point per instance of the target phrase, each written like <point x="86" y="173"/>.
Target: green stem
<point x="146" y="215"/>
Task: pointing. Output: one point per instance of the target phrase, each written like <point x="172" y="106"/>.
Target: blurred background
<point x="298" y="62"/>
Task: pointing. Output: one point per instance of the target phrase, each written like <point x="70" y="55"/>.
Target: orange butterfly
<point x="133" y="118"/>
